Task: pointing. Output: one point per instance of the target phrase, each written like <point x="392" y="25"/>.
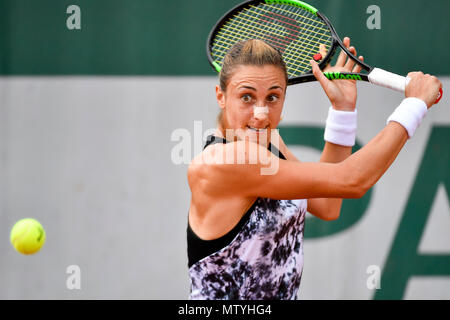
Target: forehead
<point x="267" y="75"/>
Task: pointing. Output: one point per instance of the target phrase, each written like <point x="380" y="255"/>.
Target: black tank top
<point x="198" y="248"/>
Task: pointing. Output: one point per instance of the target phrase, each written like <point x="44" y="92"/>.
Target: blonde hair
<point x="250" y="52"/>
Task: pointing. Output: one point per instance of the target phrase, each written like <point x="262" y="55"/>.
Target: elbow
<point x="356" y="185"/>
<point x="331" y="217"/>
<point x="327" y="215"/>
<point x="356" y="190"/>
<point x="333" y="211"/>
<point x="359" y="188"/>
<point x="362" y="192"/>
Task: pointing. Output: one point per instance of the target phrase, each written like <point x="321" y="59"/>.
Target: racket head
<point x="294" y="28"/>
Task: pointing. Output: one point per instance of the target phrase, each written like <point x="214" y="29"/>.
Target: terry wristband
<point x="409" y="114"/>
<point x="341" y="127"/>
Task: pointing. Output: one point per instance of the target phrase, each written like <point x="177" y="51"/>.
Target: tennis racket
<point x="295" y="29"/>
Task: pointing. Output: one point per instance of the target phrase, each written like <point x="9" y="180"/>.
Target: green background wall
<point x="147" y="37"/>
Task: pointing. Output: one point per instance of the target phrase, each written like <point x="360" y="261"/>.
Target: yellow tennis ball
<point x="27" y="236"/>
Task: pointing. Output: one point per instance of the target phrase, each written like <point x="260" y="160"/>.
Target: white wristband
<point x="409" y="114"/>
<point x="341" y="127"/>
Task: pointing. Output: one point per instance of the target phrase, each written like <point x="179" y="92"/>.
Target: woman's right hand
<point x="423" y="86"/>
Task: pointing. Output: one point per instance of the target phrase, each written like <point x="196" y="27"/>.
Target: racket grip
<point x="393" y="81"/>
<point x="388" y="79"/>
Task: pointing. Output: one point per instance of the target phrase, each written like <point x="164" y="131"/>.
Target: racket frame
<point x="307" y="77"/>
<point x="374" y="75"/>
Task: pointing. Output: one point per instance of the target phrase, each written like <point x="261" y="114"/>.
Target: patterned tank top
<point x="261" y="258"/>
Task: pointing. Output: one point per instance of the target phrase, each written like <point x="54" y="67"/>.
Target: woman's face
<point x="253" y="102"/>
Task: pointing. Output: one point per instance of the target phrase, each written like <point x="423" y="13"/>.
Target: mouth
<point x="258" y="130"/>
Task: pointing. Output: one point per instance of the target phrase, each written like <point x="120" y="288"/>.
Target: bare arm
<point x="342" y="95"/>
<point x="350" y="178"/>
<point x="329" y="208"/>
<point x="323" y="208"/>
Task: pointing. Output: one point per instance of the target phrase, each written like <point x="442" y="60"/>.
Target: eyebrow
<point x="247" y="87"/>
<point x="275" y="87"/>
<point x="251" y="88"/>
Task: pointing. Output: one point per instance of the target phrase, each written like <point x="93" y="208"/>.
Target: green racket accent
<point x="290" y="26"/>
<point x="294" y="3"/>
<point x="338" y="75"/>
<point x="217" y="66"/>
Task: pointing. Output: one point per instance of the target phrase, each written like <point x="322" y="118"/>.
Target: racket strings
<point x="226" y="42"/>
<point x="293" y="21"/>
<point x="310" y="36"/>
<point x="237" y="32"/>
<point x="295" y="32"/>
<point x="292" y="27"/>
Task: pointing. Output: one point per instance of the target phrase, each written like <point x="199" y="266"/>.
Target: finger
<point x="350" y="62"/>
<point x="323" y="50"/>
<point x="414" y="74"/>
<point x="340" y="62"/>
<point x="358" y="68"/>
<point x="319" y="74"/>
<point x="342" y="56"/>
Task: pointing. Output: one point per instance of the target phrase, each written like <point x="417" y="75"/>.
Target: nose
<point x="260" y="116"/>
<point x="260" y="113"/>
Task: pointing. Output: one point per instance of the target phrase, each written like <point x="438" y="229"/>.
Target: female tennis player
<point x="245" y="225"/>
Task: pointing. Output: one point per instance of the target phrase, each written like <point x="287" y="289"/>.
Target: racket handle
<point x="393" y="81"/>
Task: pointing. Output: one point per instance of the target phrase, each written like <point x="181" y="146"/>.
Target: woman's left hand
<point x="342" y="93"/>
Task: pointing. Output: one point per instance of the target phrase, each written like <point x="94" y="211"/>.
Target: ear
<point x="220" y="96"/>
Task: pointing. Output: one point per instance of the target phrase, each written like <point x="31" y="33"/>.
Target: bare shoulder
<point x="228" y="163"/>
<point x="200" y="168"/>
<point x="215" y="208"/>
